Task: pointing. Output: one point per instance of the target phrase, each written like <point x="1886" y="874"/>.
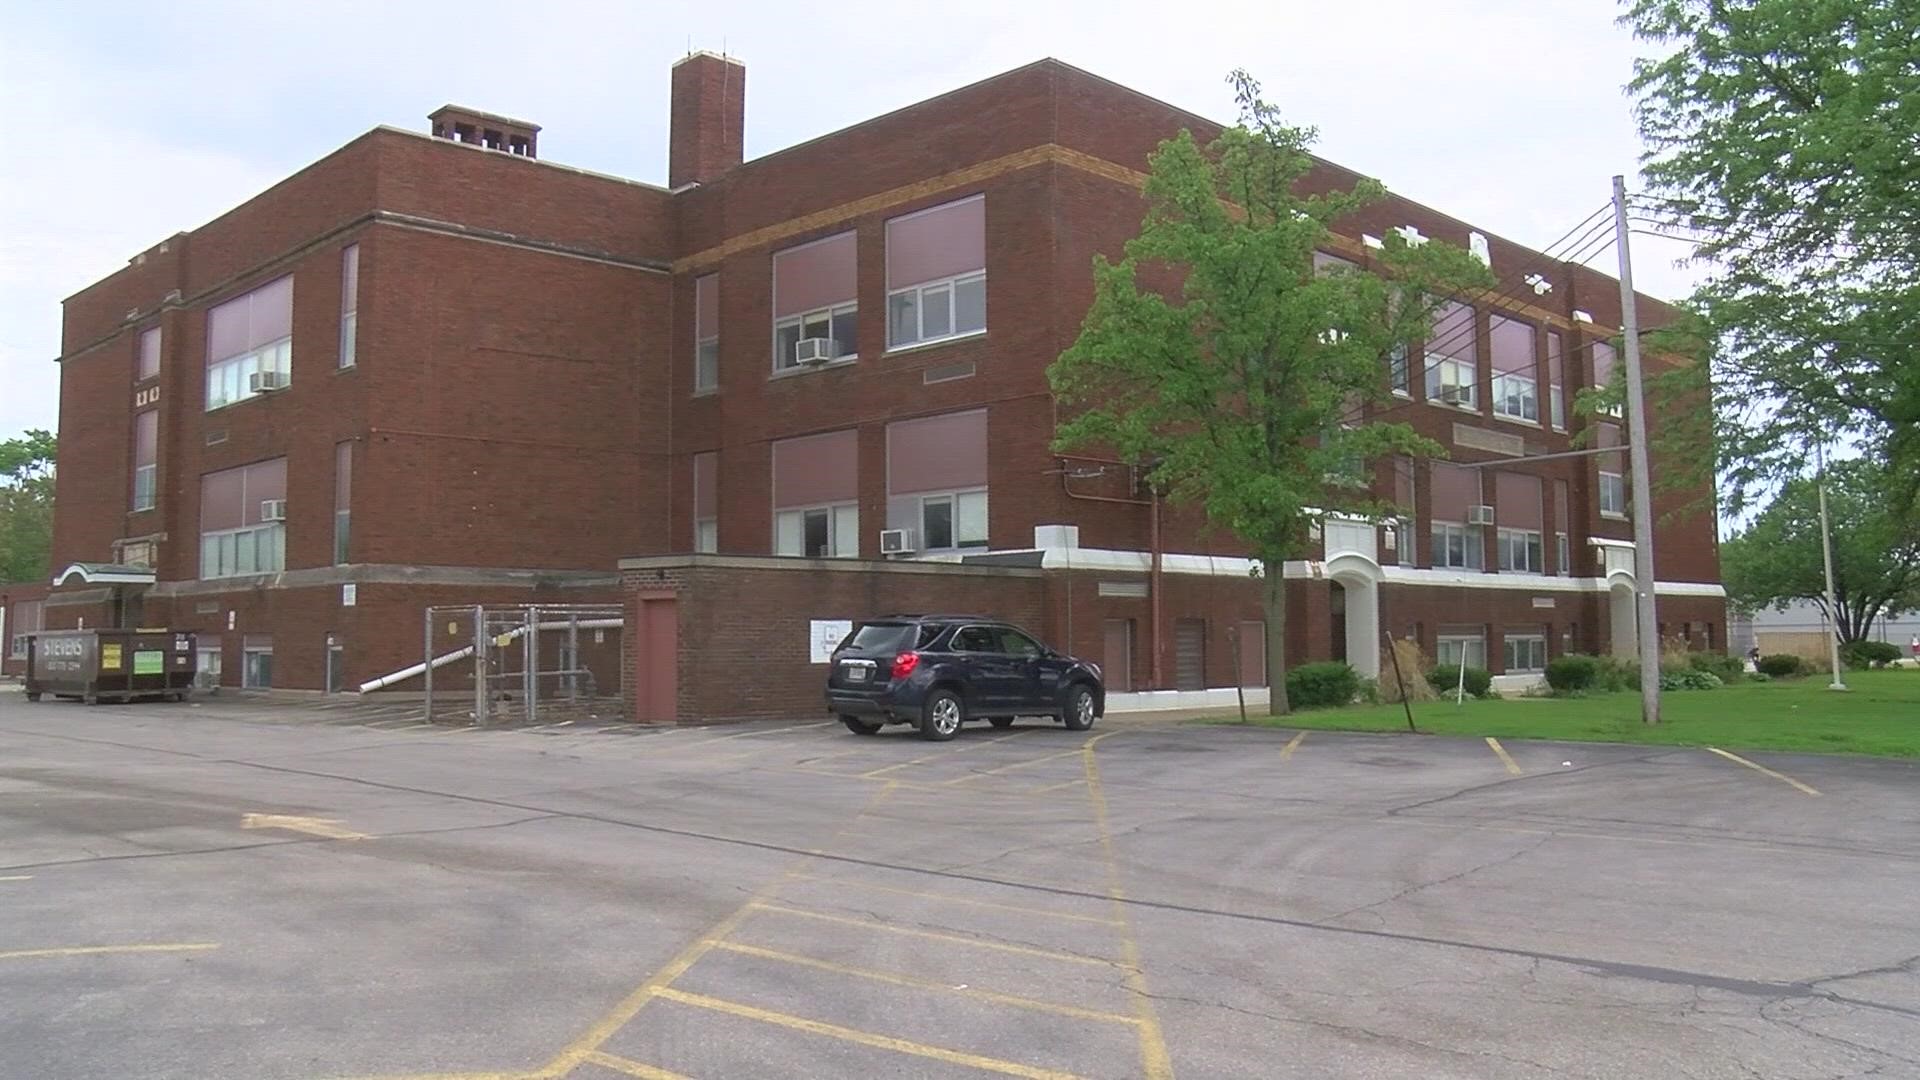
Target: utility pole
<point x="1648" y="627"/>
<point x="1826" y="554"/>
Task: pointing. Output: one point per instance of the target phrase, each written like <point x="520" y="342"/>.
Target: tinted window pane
<point x="903" y="327"/>
<point x="879" y="637"/>
<point x="976" y="639"/>
<point x="1017" y="643"/>
<point x="970" y="305"/>
<point x="845" y="332"/>
<point x="818" y="533"/>
<point x="936" y="318"/>
<point x="937" y="519"/>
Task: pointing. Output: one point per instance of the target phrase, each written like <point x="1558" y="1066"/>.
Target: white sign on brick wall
<point x="825" y="635"/>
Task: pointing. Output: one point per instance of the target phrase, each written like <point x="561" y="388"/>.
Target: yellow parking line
<point x="930" y="935"/>
<point x="1075" y="782"/>
<point x="1156" y="1063"/>
<point x="1292" y="744"/>
<point x="630" y="1067"/>
<point x="100" y="950"/>
<point x="313" y="826"/>
<point x="1501" y="753"/>
<point x="863" y="1038"/>
<point x="997" y="770"/>
<point x="17" y="877"/>
<point x="941" y="755"/>
<point x="898" y="979"/>
<point x="1756" y="767"/>
<point x="851" y="883"/>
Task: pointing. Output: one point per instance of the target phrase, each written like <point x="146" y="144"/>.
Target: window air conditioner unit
<point x="261" y="382"/>
<point x="813" y="350"/>
<point x="897" y="542"/>
<point x="1456" y="395"/>
<point x="273" y="509"/>
<point x="1480" y="515"/>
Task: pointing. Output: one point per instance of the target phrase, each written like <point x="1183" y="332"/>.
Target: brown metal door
<point x="1116" y="663"/>
<point x="1253" y="653"/>
<point x="656" y="650"/>
<point x="1190" y="654"/>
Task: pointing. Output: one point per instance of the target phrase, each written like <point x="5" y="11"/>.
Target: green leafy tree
<point x="1785" y="136"/>
<point x="1876" y="553"/>
<point x="1216" y="354"/>
<point x="26" y="506"/>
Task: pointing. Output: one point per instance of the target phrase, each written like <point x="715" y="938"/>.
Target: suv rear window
<point x="881" y="637"/>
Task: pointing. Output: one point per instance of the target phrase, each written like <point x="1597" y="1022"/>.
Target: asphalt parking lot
<point x="251" y="890"/>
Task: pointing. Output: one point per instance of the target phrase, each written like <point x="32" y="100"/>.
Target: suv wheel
<point x="1079" y="714"/>
<point x="941" y="717"/>
<point x="859" y="726"/>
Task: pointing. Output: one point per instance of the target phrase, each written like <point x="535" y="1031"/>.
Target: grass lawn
<point x="1879" y="715"/>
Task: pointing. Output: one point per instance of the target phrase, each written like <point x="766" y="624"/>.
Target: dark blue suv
<point x="939" y="671"/>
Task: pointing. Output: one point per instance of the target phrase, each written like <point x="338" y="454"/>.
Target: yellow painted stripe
<point x="1292" y="745"/>
<point x="1075" y="782"/>
<point x="852" y="884"/>
<point x="630" y="1067"/>
<point x="1155" y="1062"/>
<point x="313" y="826"/>
<point x="103" y="950"/>
<point x="941" y="756"/>
<point x="898" y="979"/>
<point x="930" y="935"/>
<point x="863" y="1038"/>
<point x="1501" y="753"/>
<point x="998" y="769"/>
<point x="17" y="877"/>
<point x="1759" y="768"/>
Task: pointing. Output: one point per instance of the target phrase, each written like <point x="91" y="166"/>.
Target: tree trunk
<point x="1274" y="609"/>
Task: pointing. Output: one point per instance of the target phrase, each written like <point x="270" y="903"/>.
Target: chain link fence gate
<point x="522" y="664"/>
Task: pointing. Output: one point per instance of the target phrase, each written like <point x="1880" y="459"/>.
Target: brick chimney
<point x="709" y="118"/>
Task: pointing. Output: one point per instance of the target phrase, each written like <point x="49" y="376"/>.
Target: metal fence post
<point x="479" y="666"/>
<point x="426" y="657"/>
<point x="530" y="664"/>
<point x="573" y="657"/>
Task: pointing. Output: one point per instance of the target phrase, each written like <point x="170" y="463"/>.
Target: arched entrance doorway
<point x="1355" y="613"/>
<point x="1621" y="616"/>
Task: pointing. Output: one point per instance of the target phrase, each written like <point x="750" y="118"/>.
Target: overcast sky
<point x="128" y="122"/>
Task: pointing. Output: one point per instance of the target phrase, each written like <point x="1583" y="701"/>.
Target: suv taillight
<point x="904" y="664"/>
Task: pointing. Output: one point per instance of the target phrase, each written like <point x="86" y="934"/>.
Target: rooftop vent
<point x="486" y="129"/>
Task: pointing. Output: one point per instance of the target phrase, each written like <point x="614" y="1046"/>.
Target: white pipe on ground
<point x="462" y="653"/>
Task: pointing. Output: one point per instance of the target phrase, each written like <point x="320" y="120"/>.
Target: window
<point x="706" y="334"/>
<point x="29" y="617"/>
<point x="1603" y="374"/>
<point x="1453" y="649"/>
<point x="241" y="526"/>
<point x="256" y="670"/>
<point x="1525" y="652"/>
<point x="1452" y="370"/>
<point x="975" y="639"/>
<point x="1556" y="381"/>
<point x="1563" y="565"/>
<point x="937" y="479"/>
<point x="149" y="354"/>
<point x="1519" y="551"/>
<point x="953" y="520"/>
<point x="1515" y="385"/>
<point x="1457" y="547"/>
<point x="250" y="344"/>
<point x="1399" y="372"/>
<point x="1015" y="643"/>
<point x="1562" y="554"/>
<point x="816" y="492"/>
<point x="207" y="661"/>
<point x="814" y="302"/>
<point x="936" y="273"/>
<point x="1613" y="495"/>
<point x="342" y="499"/>
<point x="706" y="499"/>
<point x="820" y="532"/>
<point x="349" y="302"/>
<point x="146" y="450"/>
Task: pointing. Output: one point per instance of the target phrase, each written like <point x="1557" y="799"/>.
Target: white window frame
<point x="227" y="379"/>
<point x="1611" y="482"/>
<point x="1473" y="546"/>
<point x="222" y="559"/>
<point x="919" y="293"/>
<point x="706" y="535"/>
<point x="1517" y="546"/>
<point x="1522" y="390"/>
<point x="706" y="365"/>
<point x="1400" y="371"/>
<point x="247" y="653"/>
<point x="847" y="350"/>
<point x="1557" y="402"/>
<point x="349" y="307"/>
<point x="1563" y="550"/>
<point x="1533" y="663"/>
<point x="1440" y="368"/>
<point x="954" y="501"/>
<point x="1451" y="650"/>
<point x="146" y="493"/>
<point x="843" y="529"/>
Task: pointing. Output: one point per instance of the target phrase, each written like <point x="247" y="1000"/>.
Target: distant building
<point x="1801" y="629"/>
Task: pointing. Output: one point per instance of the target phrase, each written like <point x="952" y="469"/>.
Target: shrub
<point x="1614" y="674"/>
<point x="1318" y="686"/>
<point x="1728" y="668"/>
<point x="1866" y="654"/>
<point x="1759" y="676"/>
<point x="1783" y="666"/>
<point x="1446" y="679"/>
<point x="1689" y="678"/>
<point x="1572" y="673"/>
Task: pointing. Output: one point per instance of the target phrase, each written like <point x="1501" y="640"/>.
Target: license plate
<point x="858" y="673"/>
